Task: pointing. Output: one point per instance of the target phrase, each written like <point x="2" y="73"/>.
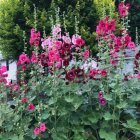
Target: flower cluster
<point x="106" y="26"/>
<point x="101" y="99"/>
<point x="34" y="38"/>
<point x="123" y="9"/>
<point x="3" y="76"/>
<point x="41" y="128"/>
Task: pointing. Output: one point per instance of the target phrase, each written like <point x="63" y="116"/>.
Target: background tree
<point x="17" y="16"/>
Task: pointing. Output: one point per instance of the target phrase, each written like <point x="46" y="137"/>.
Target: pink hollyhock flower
<point x="36" y="43"/>
<point x="18" y="63"/>
<point x="113" y="62"/>
<point x="31" y="107"/>
<point x="36" y="131"/>
<point x="24" y="100"/>
<point x="23" y="58"/>
<point x="3" y="69"/>
<point x="86" y="54"/>
<point x="66" y="39"/>
<point x="123" y="9"/>
<point x="58" y="44"/>
<point x="103" y="73"/>
<point x="33" y="58"/>
<point x="56" y="29"/>
<point x="77" y="40"/>
<point x="102" y="101"/>
<point x="132" y="46"/>
<point x="80" y="42"/>
<point x="58" y="65"/>
<point x="118" y="41"/>
<point x="42" y="127"/>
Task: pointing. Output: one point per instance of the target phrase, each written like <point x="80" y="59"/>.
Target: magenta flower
<point x="31" y="107"/>
<point x="86" y="54"/>
<point x="102" y="101"/>
<point x="23" y="58"/>
<point x="93" y="73"/>
<point x="42" y="127"/>
<point x="3" y="69"/>
<point x="123" y="9"/>
<point x="132" y="46"/>
<point x="33" y="58"/>
<point x="36" y="131"/>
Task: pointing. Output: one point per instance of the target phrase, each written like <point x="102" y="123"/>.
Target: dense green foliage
<point x="17" y="16"/>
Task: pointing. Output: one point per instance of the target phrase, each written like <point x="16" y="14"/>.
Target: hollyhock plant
<point x="78" y="41"/>
<point x="70" y="91"/>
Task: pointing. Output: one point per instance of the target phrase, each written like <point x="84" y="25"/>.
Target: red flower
<point x="31" y="107"/>
<point x="37" y="43"/>
<point x="70" y="75"/>
<point x="42" y="127"/>
<point x="24" y="100"/>
<point x="24" y="67"/>
<point x="79" y="72"/>
<point x="93" y="73"/>
<point x="137" y="55"/>
<point x="66" y="62"/>
<point x="86" y="54"/>
<point x="103" y="73"/>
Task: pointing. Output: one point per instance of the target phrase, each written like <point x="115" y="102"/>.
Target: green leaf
<point x="14" y="137"/>
<point x="132" y="124"/>
<point x="122" y="105"/>
<point x="68" y="99"/>
<point x="108" y="97"/>
<point x="107" y="116"/>
<point x="135" y="97"/>
<point x="107" y="135"/>
<point x="52" y="101"/>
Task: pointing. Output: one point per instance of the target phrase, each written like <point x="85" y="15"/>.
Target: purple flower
<point x="100" y="95"/>
<point x="102" y="101"/>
